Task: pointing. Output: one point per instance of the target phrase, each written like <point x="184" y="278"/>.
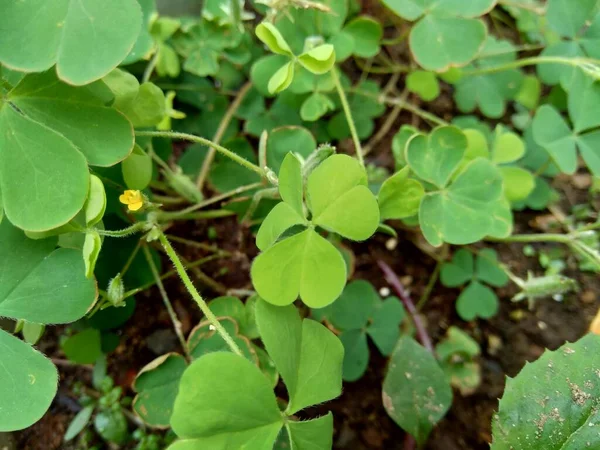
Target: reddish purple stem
<point x="395" y="282"/>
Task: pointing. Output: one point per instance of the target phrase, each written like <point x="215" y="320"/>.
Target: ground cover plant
<point x="299" y="224"/>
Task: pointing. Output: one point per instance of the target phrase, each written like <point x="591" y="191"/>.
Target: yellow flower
<point x="133" y="199"/>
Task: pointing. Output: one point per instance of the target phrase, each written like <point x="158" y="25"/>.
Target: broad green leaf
<point x="137" y="169"/>
<point x="28" y="384"/>
<point x="460" y="270"/>
<point x="91" y="249"/>
<point x="95" y="205"/>
<point x="226" y="401"/>
<point x="457" y="342"/>
<point x="552" y="132"/>
<point x="85" y="39"/>
<point x="288" y="139"/>
<point x="435" y="157"/>
<point x="43" y="148"/>
<point x="552" y="402"/>
<point x="281" y="79"/>
<point x="144" y="44"/>
<point x="518" y="183"/>
<point x="79" y="422"/>
<point x="32" y="332"/>
<point x="384" y="328"/>
<point x="147" y="108"/>
<point x="366" y="33"/>
<point x="584" y="95"/>
<point x="353" y="309"/>
<point x="315" y="434"/>
<point x="304" y="265"/>
<point x="356" y="354"/>
<point x="280" y="219"/>
<point x="462" y="213"/>
<point x="400" y="196"/>
<point x="319" y="60"/>
<point x="316" y="106"/>
<point x="567" y="18"/>
<point x="204" y="339"/>
<point x="475" y="301"/>
<point x="84" y="347"/>
<point x="424" y="84"/>
<point x="307" y="355"/>
<point x="340" y="200"/>
<point x="157" y="385"/>
<point x="415" y="393"/>
<point x="487" y="268"/>
<point x="33" y="269"/>
<point x="272" y="38"/>
<point x="441" y="42"/>
<point x="507" y="147"/>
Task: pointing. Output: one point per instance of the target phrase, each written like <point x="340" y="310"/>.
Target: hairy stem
<point x="348" y="113"/>
<point x="575" y="62"/>
<point x="139" y="226"/>
<point x="196" y="295"/>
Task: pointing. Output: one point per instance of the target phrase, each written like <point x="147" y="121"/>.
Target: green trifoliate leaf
<point x="416" y="394"/>
<point x="567" y="18"/>
<point x="424" y="84"/>
<point x="460" y="270"/>
<point x="55" y="278"/>
<point x="157" y="385"/>
<point x="281" y="79"/>
<point x="304" y="265"/>
<point x="477" y="300"/>
<point x="307" y="355"/>
<point x="413" y="9"/>
<point x="281" y="218"/>
<point x="347" y="206"/>
<point x="384" y="328"/>
<point x="461" y="213"/>
<point x="366" y="34"/>
<point x="356" y="354"/>
<point x="400" y="196"/>
<point x="553" y="401"/>
<point x="272" y="38"/>
<point x="507" y="147"/>
<point x="85" y="40"/>
<point x="25" y="399"/>
<point x="319" y="60"/>
<point x="435" y="157"/>
<point x="487" y="268"/>
<point x="214" y="389"/>
<point x="355" y="306"/>
<point x="316" y="106"/>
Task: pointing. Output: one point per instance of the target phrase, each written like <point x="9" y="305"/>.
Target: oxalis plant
<point x="117" y="123"/>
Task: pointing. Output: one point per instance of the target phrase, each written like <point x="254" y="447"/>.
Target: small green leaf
<point x="460" y="270"/>
<point x="137" y="169"/>
<point x="366" y="33"/>
<point x="38" y="35"/>
<point x="281" y="79"/>
<point x="552" y="132"/>
<point x="148" y="108"/>
<point x="79" y="422"/>
<point x="204" y="339"/>
<point x="216" y="388"/>
<point x="95" y="205"/>
<point x="84" y="347"/>
<point x="315" y="434"/>
<point x="288" y="139"/>
<point x="530" y="92"/>
<point x="34" y="380"/>
<point x="400" y="196"/>
<point x="436" y="157"/>
<point x="475" y="301"/>
<point x="424" y="84"/>
<point x="518" y="183"/>
<point x="399" y="143"/>
<point x="356" y="354"/>
<point x="33" y="332"/>
<point x="157" y="385"/>
<point x="508" y="147"/>
<point x="384" y="328"/>
<point x="272" y="38"/>
<point x="316" y="106"/>
<point x="263" y="70"/>
<point x="111" y="425"/>
<point x="457" y="342"/>
<point x="304" y="265"/>
<point x="307" y="355"/>
<point x="416" y="394"/>
<point x="91" y="250"/>
<point x="353" y="309"/>
<point x="280" y="219"/>
<point x="552" y="399"/>
<point x="319" y="60"/>
<point x="487" y="268"/>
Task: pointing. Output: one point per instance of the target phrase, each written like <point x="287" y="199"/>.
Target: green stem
<point x="575" y="62"/>
<point x="225" y="121"/>
<point x="429" y="288"/>
<point x="348" y="113"/>
<point x="200" y="140"/>
<point x="165" y="298"/>
<point x="195" y="295"/>
<point x="211" y="214"/>
<point x="150" y="67"/>
<point x="543" y="237"/>
<point x="139" y="226"/>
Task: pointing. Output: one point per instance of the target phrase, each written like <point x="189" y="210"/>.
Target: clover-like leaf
<point x="384" y="328"/>
<point x="567" y="19"/>
<point x="137" y="169"/>
<point x="318" y="60"/>
<point x="416" y="394"/>
<point x="284" y="140"/>
<point x="366" y="33"/>
<point x="272" y="38"/>
<point x="24" y="399"/>
<point x="95" y="205"/>
<point x="281" y="79"/>
<point x="204" y="339"/>
<point x="477" y="300"/>
<point x="461" y="213"/>
<point x="413" y="9"/>
<point x="460" y="270"/>
<point x="554" y="399"/>
<point x="84" y="347"/>
<point x="400" y="196"/>
<point x="85" y="39"/>
<point x="518" y="183"/>
<point x="316" y="106"/>
<point x="157" y="385"/>
<point x="424" y="84"/>
<point x="487" y="268"/>
<point x="337" y="196"/>
<point x="44" y="147"/>
<point x="435" y="157"/>
<point x="214" y="388"/>
<point x="457" y="342"/>
<point x="304" y="265"/>
<point x="242" y="314"/>
<point x="315" y="434"/>
<point x="356" y="354"/>
<point x="307" y="355"/>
